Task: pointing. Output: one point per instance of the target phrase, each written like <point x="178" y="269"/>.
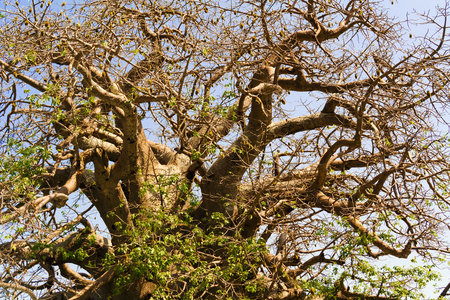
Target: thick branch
<point x="18" y="288"/>
<point x="93" y="142"/>
<point x="293" y="273"/>
<point x="89" y="289"/>
<point x="28" y="80"/>
<point x="97" y="248"/>
<point x="310" y="122"/>
<point x="57" y="198"/>
<point x="305" y="86"/>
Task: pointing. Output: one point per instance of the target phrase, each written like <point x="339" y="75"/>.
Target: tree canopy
<point x="221" y="150"/>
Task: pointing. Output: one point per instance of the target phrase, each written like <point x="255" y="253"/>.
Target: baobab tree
<point x="221" y="150"/>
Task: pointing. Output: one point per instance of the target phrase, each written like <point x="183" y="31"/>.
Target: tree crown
<point x="231" y="149"/>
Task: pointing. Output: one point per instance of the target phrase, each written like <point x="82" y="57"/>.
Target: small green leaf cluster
<point x="243" y="259"/>
<point x="182" y="260"/>
<point x="161" y="185"/>
<point x="78" y="254"/>
<point x="153" y="253"/>
<point x="325" y="287"/>
<point x="20" y="166"/>
<point x="364" y="278"/>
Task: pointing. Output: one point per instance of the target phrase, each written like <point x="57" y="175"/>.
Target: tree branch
<point x="18" y="288"/>
<point x="90" y="288"/>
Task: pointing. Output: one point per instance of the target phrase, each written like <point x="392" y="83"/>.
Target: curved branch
<point x="28" y="80"/>
<point x="293" y="273"/>
<point x="93" y="142"/>
<point x="19" y="288"/>
<point x="70" y="274"/>
<point x="341" y="209"/>
<point x="309" y="122"/>
<point x="328" y="157"/>
<point x="96" y="245"/>
<point x="56" y="198"/>
<point x="299" y="85"/>
<point x="89" y="289"/>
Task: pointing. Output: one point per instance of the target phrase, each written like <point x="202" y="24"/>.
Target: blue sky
<point x="408" y="9"/>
